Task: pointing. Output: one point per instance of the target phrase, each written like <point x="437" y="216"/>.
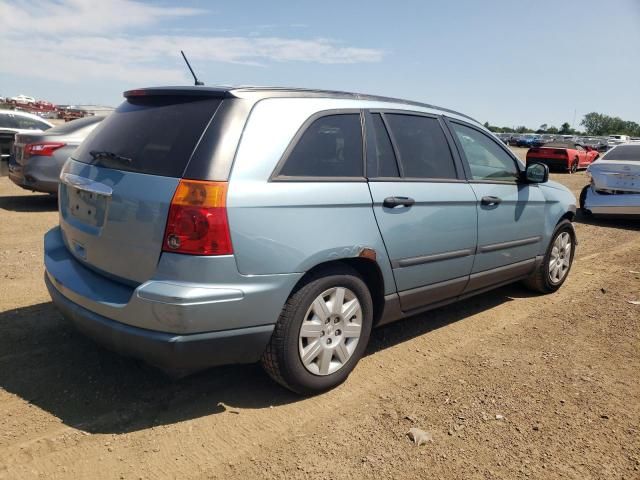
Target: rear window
<point x="157" y="134"/>
<point x="625" y="153"/>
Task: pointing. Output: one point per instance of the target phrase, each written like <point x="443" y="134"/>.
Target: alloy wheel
<point x="330" y="331"/>
<point x="560" y="258"/>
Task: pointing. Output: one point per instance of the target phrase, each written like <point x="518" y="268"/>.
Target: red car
<point x="565" y="156"/>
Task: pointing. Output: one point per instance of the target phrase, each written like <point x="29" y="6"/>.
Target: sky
<point x="516" y="62"/>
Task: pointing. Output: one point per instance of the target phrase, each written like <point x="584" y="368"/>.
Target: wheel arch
<point x="367" y="267"/>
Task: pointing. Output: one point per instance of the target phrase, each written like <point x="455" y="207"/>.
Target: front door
<point x="511" y="213"/>
<point x="425" y="210"/>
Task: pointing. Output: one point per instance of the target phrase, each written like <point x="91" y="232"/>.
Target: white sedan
<point x="615" y="183"/>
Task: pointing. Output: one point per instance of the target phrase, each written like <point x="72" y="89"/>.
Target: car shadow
<point x="621" y="222"/>
<point x="29" y="203"/>
<point x="44" y="361"/>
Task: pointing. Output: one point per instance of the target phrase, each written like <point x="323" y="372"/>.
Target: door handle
<point x="393" y="202"/>
<point x="490" y="200"/>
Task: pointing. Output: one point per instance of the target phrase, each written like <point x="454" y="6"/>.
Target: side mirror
<point x="537" y="173"/>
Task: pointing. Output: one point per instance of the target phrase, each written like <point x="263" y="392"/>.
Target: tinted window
<point x="623" y="153"/>
<point x="7" y="121"/>
<point x="158" y="134"/>
<point x="487" y="160"/>
<point x="381" y="161"/>
<point x="422" y="146"/>
<point x="330" y="147"/>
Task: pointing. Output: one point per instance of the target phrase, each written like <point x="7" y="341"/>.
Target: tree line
<point x="595" y="124"/>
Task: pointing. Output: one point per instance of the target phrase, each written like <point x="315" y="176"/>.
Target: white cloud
<point x="77" y="40"/>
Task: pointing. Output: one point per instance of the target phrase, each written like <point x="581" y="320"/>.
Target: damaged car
<point x="615" y="183"/>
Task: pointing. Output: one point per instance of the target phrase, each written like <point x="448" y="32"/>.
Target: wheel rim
<point x="574" y="167"/>
<point x="560" y="259"/>
<point x="330" y="331"/>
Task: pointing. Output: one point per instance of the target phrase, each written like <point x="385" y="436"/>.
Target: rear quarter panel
<point x="292" y="226"/>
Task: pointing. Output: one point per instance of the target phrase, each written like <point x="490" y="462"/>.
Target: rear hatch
<point x="116" y="189"/>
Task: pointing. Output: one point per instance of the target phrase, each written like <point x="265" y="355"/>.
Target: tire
<point x="574" y="167"/>
<point x="582" y="199"/>
<point x="283" y="357"/>
<point x="543" y="280"/>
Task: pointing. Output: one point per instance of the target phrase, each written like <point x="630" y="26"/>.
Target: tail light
<point x="197" y="222"/>
<point x="44" y="149"/>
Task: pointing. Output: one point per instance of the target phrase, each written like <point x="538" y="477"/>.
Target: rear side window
<point x="422" y="146"/>
<point x="154" y="134"/>
<point x="330" y="147"/>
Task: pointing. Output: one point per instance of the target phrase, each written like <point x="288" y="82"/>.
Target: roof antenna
<point x="197" y="82"/>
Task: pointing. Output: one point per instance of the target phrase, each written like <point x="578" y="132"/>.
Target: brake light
<point x="44" y="149"/>
<point x="197" y="223"/>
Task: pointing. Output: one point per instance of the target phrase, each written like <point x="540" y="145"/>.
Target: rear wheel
<point x="322" y="332"/>
<point x="555" y="266"/>
<point x="574" y="166"/>
<point x="582" y="200"/>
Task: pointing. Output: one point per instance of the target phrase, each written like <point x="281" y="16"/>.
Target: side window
<point x="330" y="147"/>
<point x="8" y="121"/>
<point x="422" y="146"/>
<point x="381" y="161"/>
<point x="579" y="147"/>
<point x="487" y="160"/>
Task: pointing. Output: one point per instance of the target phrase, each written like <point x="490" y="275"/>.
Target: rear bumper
<point x="621" y="204"/>
<point x="39" y="174"/>
<point x="213" y="316"/>
<point x="166" y="350"/>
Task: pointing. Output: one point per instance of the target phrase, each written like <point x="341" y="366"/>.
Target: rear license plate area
<point x="87" y="207"/>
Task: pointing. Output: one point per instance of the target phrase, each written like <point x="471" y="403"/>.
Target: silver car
<point x="615" y="183"/>
<point x="204" y="226"/>
<point x="38" y="157"/>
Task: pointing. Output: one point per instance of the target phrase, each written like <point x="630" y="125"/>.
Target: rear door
<point x="116" y="190"/>
<point x="425" y="209"/>
<point x="511" y="213"/>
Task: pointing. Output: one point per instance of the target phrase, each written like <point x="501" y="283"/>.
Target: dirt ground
<point x="510" y="384"/>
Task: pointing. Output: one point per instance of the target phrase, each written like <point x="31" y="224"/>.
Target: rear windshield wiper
<point x="95" y="154"/>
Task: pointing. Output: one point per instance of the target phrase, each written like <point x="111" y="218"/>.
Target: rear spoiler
<point x="178" y="91"/>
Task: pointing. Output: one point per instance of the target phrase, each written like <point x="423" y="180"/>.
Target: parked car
<point x="205" y="226"/>
<point x="615" y="183"/>
<point x="23" y="100"/>
<point x="563" y="156"/>
<point x="38" y="157"/>
<point x="526" y="140"/>
<point x="539" y="141"/>
<point x="12" y="122"/>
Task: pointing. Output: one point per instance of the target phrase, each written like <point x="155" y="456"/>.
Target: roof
<point x="270" y="92"/>
<point x="24" y="114"/>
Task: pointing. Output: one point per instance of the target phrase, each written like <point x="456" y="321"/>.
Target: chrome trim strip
<point x="412" y="261"/>
<point x="514" y="243"/>
<point x="86" y="184"/>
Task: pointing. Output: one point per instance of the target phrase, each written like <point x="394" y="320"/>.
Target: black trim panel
<point x="418" y="297"/>
<point x="499" y="275"/>
<point x="504" y="245"/>
<point x="412" y="261"/>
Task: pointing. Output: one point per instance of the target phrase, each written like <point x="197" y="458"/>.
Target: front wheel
<point x="554" y="269"/>
<point x="322" y="332"/>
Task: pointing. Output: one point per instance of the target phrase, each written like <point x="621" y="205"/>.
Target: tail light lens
<point x="197" y="222"/>
<point x="44" y="149"/>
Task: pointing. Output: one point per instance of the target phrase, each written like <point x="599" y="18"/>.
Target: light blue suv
<point x="206" y="226"/>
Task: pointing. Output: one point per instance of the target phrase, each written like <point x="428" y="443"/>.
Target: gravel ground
<point x="509" y="384"/>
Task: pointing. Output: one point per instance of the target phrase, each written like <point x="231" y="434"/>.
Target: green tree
<point x="552" y="130"/>
<point x="565" y="129"/>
